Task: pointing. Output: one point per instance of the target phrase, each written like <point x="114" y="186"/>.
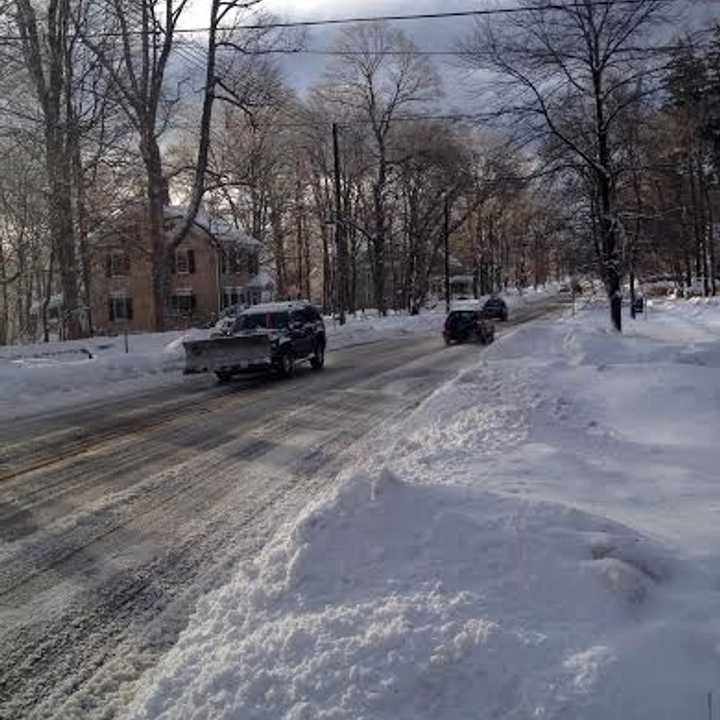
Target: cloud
<point x="302" y="71"/>
<point x="436" y="35"/>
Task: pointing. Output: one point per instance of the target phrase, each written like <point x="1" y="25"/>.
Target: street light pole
<point x="340" y="281"/>
<point x="446" y="231"/>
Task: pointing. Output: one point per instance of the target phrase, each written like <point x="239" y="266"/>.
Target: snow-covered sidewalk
<point x="540" y="539"/>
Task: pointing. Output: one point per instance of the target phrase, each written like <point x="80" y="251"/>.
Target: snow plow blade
<point x="227" y="354"/>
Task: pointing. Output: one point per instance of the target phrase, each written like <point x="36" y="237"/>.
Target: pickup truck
<point x="271" y="337"/>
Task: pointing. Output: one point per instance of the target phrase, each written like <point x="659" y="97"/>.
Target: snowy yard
<point x="539" y="539"/>
<point x="40" y="377"/>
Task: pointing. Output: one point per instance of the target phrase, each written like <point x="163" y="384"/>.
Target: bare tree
<point x="377" y="78"/>
<point x="45" y="48"/>
<point x="569" y="72"/>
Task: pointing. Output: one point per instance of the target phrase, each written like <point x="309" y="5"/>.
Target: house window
<point x="117" y="264"/>
<point x="184" y="262"/>
<point x="183" y="304"/>
<point x="253" y="262"/>
<point x="230" y="297"/>
<point x="120" y="308"/>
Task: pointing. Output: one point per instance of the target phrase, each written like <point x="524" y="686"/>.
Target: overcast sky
<point x="438" y="34"/>
<point x="304" y="70"/>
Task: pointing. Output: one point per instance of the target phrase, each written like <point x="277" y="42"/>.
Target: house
<point x="215" y="266"/>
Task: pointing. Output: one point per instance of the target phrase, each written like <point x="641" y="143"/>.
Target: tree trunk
<point x="60" y="222"/>
<point x="5" y="316"/>
<point x="703" y="222"/>
<point x="711" y="242"/>
<point x="278" y="238"/>
<point x="378" y="241"/>
<point x="326" y="269"/>
<point x="157" y="199"/>
<point x="48" y="295"/>
<point x="82" y="225"/>
<point x="379" y="275"/>
<point x="352" y="303"/>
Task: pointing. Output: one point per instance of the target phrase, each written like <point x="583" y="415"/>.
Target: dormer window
<point x="184" y="262"/>
<point x="117" y="264"/>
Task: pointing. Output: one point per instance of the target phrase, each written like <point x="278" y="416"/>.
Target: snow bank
<point x="48" y="376"/>
<point x="367" y="327"/>
<point x="538" y="539"/>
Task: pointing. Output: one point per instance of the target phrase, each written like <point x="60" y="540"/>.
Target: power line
<point x="550" y="6"/>
<point x="656" y="49"/>
<point x="279" y="25"/>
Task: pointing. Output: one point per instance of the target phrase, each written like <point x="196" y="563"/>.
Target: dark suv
<point x="273" y="336"/>
<point x="495" y="308"/>
<point x="465" y="325"/>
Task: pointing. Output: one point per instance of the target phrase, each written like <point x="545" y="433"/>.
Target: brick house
<point x="215" y="266"/>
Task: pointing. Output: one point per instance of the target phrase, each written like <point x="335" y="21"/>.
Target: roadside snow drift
<point x="394" y="600"/>
<point x="538" y="540"/>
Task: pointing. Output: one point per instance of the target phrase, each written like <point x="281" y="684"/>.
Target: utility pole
<point x="446" y="231"/>
<point x="340" y="254"/>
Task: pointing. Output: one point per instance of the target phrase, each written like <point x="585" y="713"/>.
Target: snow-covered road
<point x="116" y="516"/>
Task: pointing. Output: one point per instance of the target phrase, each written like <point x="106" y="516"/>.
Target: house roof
<point x="276" y="307"/>
<point x="261" y="280"/>
<point x="218" y="228"/>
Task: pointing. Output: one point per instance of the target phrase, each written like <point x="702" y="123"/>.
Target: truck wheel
<point x="317" y="362"/>
<point x="223" y="377"/>
<point x="287" y="365"/>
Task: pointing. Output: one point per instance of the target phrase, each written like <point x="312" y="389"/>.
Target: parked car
<point x="467" y="325"/>
<point x="495" y="308"/>
<point x="272" y="337"/>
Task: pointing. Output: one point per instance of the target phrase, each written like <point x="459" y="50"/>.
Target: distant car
<point x="495" y="308"/>
<point x="274" y="336"/>
<point x="467" y="325"/>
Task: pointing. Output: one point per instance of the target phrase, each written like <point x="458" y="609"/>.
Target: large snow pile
<point x="539" y="539"/>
